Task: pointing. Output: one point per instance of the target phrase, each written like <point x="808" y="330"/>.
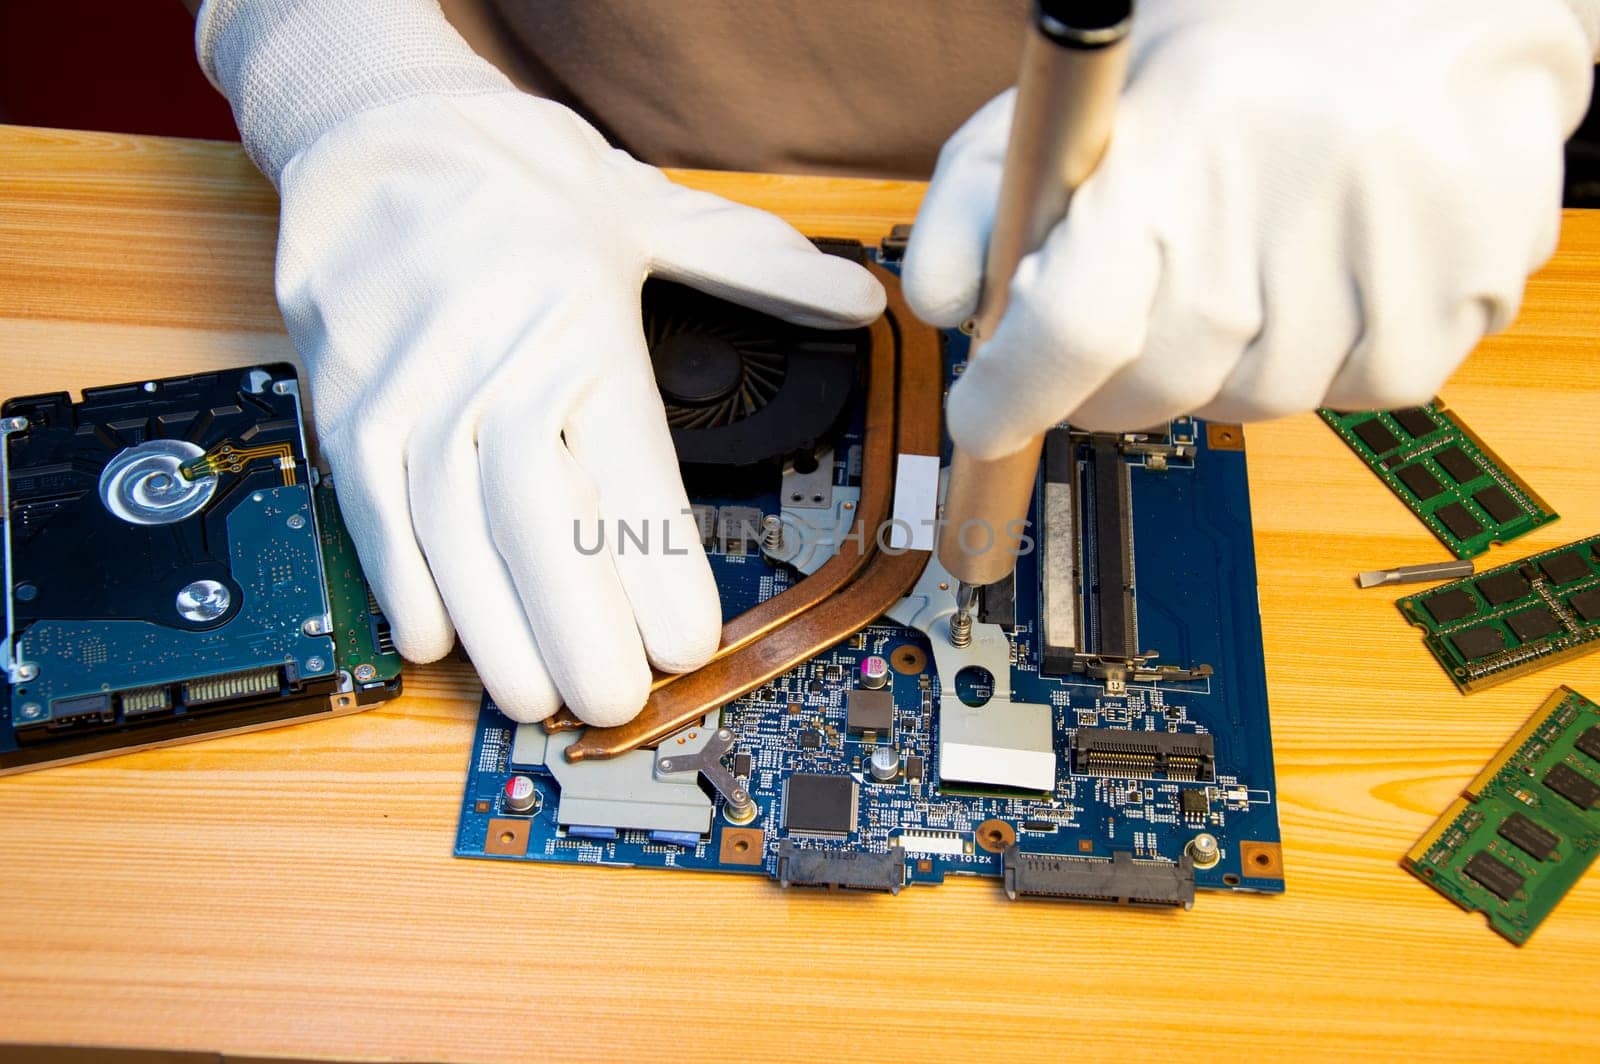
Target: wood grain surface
<point x="293" y="892"/>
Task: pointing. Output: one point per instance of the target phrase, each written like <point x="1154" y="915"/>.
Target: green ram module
<point x="360" y="632"/>
<point x="1516" y="619"/>
<point x="1449" y="478"/>
<point x="1528" y="827"/>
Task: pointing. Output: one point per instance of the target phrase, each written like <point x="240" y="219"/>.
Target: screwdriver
<point x="1074" y="63"/>
<point x="1427" y="573"/>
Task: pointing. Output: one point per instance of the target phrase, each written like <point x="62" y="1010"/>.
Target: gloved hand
<point x="1302" y="204"/>
<point x="459" y="265"/>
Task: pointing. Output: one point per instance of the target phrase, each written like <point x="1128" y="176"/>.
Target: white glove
<point x="1303" y="203"/>
<point x="459" y="264"/>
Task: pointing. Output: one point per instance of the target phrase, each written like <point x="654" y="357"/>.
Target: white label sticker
<point x="916" y="502"/>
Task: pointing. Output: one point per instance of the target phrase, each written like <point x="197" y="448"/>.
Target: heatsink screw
<point x="960" y="630"/>
<point x="772" y="534"/>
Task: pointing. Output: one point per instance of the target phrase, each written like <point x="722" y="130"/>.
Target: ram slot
<point x="1116" y="632"/>
<point x="1060" y="623"/>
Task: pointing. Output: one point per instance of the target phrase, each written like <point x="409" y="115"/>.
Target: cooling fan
<point x="742" y="388"/>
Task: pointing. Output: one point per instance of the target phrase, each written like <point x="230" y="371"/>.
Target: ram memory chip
<point x="1519" y="837"/>
<point x="1448" y="477"/>
<point x="1513" y="620"/>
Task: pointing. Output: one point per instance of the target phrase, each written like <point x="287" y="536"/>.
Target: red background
<point x="126" y="66"/>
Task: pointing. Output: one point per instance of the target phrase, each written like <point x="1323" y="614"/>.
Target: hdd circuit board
<point x="1132" y="762"/>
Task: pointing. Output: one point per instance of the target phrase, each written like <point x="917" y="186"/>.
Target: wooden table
<point x="293" y="892"/>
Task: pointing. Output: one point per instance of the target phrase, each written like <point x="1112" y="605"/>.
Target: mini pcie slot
<point x="1111" y="752"/>
<point x="1121" y="880"/>
<point x="1060" y="623"/>
<point x="841" y="869"/>
<point x="1115" y="633"/>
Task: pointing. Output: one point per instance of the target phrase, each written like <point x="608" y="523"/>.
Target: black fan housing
<point x="743" y="388"/>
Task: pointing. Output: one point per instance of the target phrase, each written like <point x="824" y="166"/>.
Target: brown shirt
<point x="865" y="87"/>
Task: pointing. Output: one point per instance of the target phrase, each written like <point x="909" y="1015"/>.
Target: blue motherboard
<point x="1154" y="773"/>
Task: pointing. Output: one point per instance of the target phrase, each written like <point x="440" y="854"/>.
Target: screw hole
<point x="1261" y="860"/>
<point x="975" y="685"/>
<point x="506" y="837"/>
<point x="741" y="846"/>
<point x="1231" y="880"/>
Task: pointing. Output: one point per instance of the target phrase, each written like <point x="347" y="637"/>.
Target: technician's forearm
<point x="293" y="69"/>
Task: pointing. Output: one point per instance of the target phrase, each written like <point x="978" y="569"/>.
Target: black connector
<point x="841" y="869"/>
<point x="1144" y="754"/>
<point x="1121" y="880"/>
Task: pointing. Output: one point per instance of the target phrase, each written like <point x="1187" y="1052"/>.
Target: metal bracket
<point x="812" y="536"/>
<point x="813" y="490"/>
<point x="928" y="608"/>
<point x="708" y="762"/>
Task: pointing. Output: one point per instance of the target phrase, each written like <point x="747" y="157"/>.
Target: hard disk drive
<point x="175" y="568"/>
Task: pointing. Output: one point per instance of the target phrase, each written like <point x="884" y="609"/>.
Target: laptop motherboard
<point x="1103" y="737"/>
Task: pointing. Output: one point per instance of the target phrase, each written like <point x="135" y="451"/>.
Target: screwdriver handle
<point x="1074" y="63"/>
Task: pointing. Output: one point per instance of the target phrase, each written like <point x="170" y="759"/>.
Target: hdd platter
<point x="174" y="569"/>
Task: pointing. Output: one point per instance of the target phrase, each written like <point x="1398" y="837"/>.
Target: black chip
<point x="1494" y="874"/>
<point x="1529" y="837"/>
<point x="1534" y="623"/>
<point x="819" y="804"/>
<point x="1393" y="460"/>
<point x="1497" y="504"/>
<point x="1450" y="605"/>
<point x="1573" y="786"/>
<point x="1458" y="520"/>
<point x="1377" y="436"/>
<point x="1192" y="801"/>
<point x="1415" y="421"/>
<point x="1565" y="567"/>
<point x="914" y="768"/>
<point x="1589" y="742"/>
<point x="1586" y="604"/>
<point x="810" y="740"/>
<point x="1502" y="587"/>
<point x="1479" y="642"/>
<point x="870" y="711"/>
<point x="1454" y="460"/>
<point x="1423" y="484"/>
<point x="741" y="765"/>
